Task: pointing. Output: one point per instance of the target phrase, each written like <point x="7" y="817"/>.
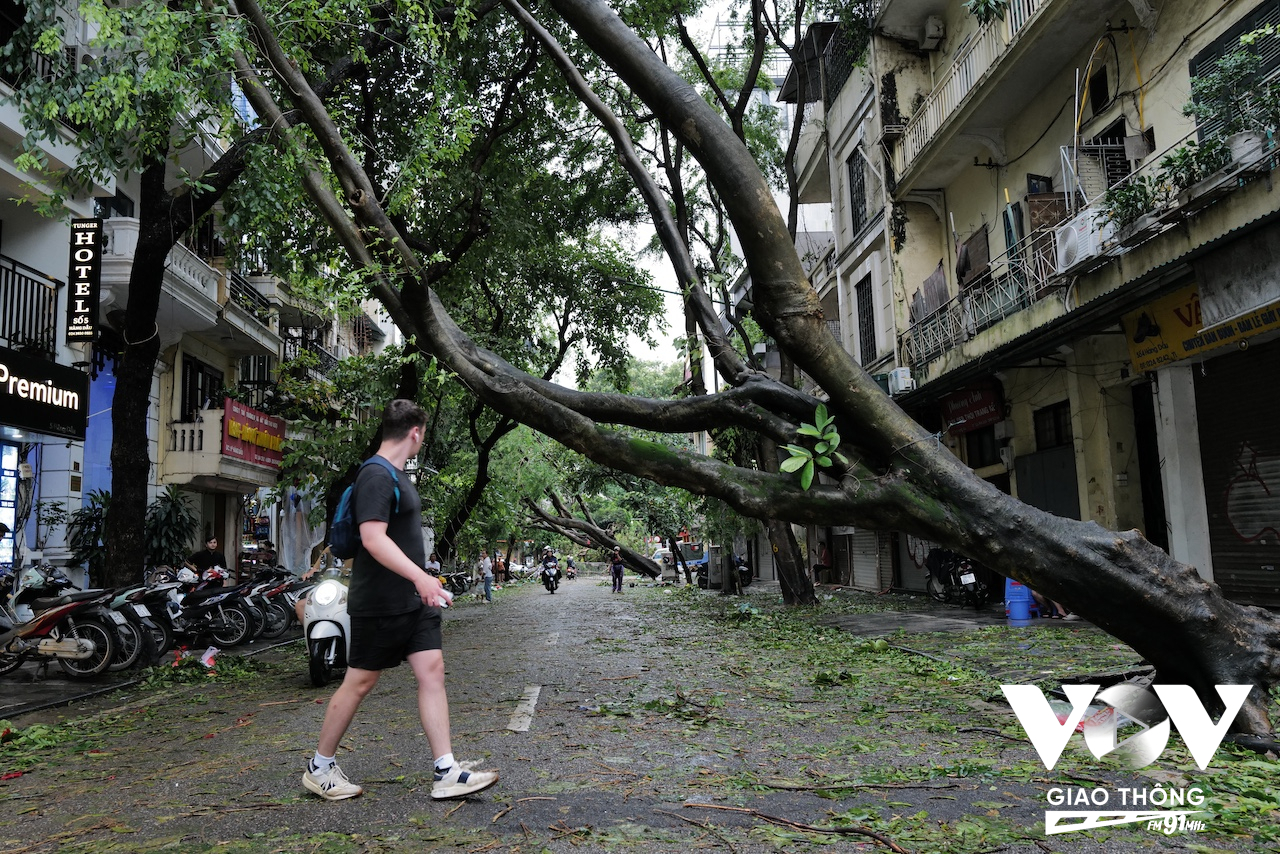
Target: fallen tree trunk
<point x="898" y="477"/>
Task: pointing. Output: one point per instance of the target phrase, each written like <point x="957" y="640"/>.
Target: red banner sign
<point x="252" y="436"/>
<point x="972" y="408"/>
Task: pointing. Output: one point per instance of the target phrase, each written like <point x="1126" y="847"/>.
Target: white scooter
<point x="327" y="629"/>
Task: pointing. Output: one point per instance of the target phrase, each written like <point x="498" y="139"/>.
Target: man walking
<point x="394" y="607"/>
<point x="485" y="565"/>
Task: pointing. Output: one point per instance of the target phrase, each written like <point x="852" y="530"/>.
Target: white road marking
<point x="523" y="715"/>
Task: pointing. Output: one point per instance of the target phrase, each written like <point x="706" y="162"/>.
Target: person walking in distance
<point x="616" y="568"/>
<point x="394" y="606"/>
<point x="485" y="565"/>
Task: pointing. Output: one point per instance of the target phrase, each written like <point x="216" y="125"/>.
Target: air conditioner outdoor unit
<point x="1080" y="239"/>
<point x="934" y="31"/>
<point x="900" y="381"/>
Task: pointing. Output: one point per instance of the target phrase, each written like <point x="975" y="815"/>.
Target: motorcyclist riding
<point x="550" y="570"/>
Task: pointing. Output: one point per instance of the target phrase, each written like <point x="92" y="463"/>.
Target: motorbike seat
<point x="44" y="603"/>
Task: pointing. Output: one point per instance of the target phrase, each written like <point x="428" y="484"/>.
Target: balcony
<point x="221" y="310"/>
<point x="30" y="301"/>
<point x="812" y="162"/>
<point x="193" y="457"/>
<point x="1011" y="283"/>
<point x="296" y="345"/>
<point x="1041" y="265"/>
<point x="997" y="74"/>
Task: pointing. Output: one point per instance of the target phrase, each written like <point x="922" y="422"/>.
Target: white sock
<point x="320" y="763"/>
<point x="444" y="763"/>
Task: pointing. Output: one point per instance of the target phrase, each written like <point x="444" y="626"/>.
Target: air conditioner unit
<point x="1079" y="240"/>
<point x="934" y="30"/>
<point x="900" y="381"/>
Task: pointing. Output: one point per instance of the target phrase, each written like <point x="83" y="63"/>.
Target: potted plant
<point x="1232" y="98"/>
<point x="1129" y="207"/>
<point x="987" y="11"/>
<point x="1191" y="171"/>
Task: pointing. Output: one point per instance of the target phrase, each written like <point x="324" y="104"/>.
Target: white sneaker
<point x="330" y="784"/>
<point x="459" y="781"/>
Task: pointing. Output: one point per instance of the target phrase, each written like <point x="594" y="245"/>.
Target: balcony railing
<point x="988" y="45"/>
<point x="325" y="361"/>
<point x="249" y="298"/>
<point x="1012" y="282"/>
<point x="29" y="303"/>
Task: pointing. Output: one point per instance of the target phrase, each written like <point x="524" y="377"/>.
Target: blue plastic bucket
<point x="1018" y="602"/>
<point x="1019" y="609"/>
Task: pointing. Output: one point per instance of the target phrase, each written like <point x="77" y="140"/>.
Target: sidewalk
<point x="660" y="720"/>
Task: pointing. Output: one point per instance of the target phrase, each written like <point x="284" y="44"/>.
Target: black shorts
<point x="380" y="643"/>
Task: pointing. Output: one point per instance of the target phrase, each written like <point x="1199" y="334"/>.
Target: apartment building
<point x="64" y="286"/>
<point x="1079" y="283"/>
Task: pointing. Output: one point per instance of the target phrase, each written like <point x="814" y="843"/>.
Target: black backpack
<point x="344" y="533"/>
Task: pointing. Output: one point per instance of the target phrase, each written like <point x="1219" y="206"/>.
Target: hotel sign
<point x="252" y="436"/>
<point x="84" y="274"/>
<point x="42" y="397"/>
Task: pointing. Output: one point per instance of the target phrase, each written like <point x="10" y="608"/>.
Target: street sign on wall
<point x="252" y="436"/>
<point x="41" y="396"/>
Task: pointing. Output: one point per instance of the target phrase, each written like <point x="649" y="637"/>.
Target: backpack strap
<point x="395" y="476"/>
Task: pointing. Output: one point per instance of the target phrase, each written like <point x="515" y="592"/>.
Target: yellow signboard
<point x="1169" y="329"/>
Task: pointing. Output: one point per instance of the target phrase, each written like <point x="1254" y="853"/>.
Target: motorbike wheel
<point x="129" y="646"/>
<point x="321" y="657"/>
<point x="279" y="618"/>
<point x="938" y="589"/>
<point x="257" y="619"/>
<point x="162" y="635"/>
<point x="978" y="594"/>
<point x="10" y="662"/>
<point x="103" y="650"/>
<point x="744" y="576"/>
<point x="235" y="628"/>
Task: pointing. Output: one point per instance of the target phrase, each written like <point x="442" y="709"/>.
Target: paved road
<point x="618" y="722"/>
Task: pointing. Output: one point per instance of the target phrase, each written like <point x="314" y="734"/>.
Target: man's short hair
<point x="400" y="417"/>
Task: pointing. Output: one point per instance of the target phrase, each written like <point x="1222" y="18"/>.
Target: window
<point x="1268" y="49"/>
<point x="1099" y="94"/>
<point x="858" y="213"/>
<point x="980" y="447"/>
<point x="105" y="207"/>
<point x="1053" y="426"/>
<point x="201" y="387"/>
<point x="8" y="499"/>
<point x="866" y="321"/>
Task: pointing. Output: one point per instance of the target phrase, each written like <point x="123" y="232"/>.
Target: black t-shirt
<point x="375" y="590"/>
<point x="205" y="559"/>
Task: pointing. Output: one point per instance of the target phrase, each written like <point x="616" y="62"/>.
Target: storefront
<point x="39" y="401"/>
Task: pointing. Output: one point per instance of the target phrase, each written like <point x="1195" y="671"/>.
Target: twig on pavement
<point x="808" y="828"/>
<point x="710" y="828"/>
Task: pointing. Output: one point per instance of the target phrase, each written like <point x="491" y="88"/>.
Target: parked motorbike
<point x="57" y="630"/>
<point x="456" y="583"/>
<point x="745" y="575"/>
<point x="133" y="638"/>
<point x="279" y="591"/>
<point x="327" y="629"/>
<point x="954" y="578"/>
<point x="210" y="611"/>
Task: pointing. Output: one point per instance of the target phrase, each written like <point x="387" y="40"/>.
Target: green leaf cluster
<point x="822" y="454"/>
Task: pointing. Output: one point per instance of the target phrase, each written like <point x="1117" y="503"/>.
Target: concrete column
<point x="1178" y="438"/>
